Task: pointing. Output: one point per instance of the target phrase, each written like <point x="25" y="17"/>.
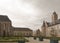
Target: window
<point x="5" y="26"/>
<point x="30" y="34"/>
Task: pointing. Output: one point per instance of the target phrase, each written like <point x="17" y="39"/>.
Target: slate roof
<point x="4" y="18"/>
<point x="52" y="24"/>
<point x="21" y="29"/>
<point x="54" y="13"/>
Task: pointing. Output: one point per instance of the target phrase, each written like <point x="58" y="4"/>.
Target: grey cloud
<point x="42" y="10"/>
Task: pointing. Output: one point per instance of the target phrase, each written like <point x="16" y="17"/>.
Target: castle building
<point x="6" y="28"/>
<point x="50" y="29"/>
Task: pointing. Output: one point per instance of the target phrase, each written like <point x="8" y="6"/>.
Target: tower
<point x="44" y="26"/>
<point x="54" y="17"/>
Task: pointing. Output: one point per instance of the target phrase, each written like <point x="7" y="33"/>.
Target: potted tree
<point x="53" y="34"/>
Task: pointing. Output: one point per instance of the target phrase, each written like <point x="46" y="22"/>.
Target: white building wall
<point x="56" y="27"/>
<point x="48" y="32"/>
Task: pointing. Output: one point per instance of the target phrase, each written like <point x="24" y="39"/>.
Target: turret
<point x="44" y="26"/>
<point x="54" y="17"/>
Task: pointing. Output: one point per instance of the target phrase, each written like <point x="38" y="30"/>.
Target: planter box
<point x="40" y="38"/>
<point x="53" y="41"/>
<point x="35" y="38"/>
<point x="21" y="41"/>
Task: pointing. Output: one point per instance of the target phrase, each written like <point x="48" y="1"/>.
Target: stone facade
<point x="6" y="28"/>
<point x="50" y="29"/>
<point x="22" y="32"/>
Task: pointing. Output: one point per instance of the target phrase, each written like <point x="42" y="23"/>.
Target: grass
<point x="12" y="39"/>
<point x="55" y="38"/>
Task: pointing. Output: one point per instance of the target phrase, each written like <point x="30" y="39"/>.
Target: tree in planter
<point x="53" y="33"/>
<point x="21" y="35"/>
<point x="54" y="36"/>
<point x="34" y="37"/>
<point x="22" y="39"/>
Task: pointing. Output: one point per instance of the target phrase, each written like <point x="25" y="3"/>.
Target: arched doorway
<point x="4" y="34"/>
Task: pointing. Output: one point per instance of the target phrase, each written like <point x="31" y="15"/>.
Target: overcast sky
<point x="29" y="13"/>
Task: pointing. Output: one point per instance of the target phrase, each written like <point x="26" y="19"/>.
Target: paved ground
<point x="31" y="40"/>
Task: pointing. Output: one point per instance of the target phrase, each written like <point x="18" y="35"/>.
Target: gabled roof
<point x="4" y="18"/>
<point x="21" y="29"/>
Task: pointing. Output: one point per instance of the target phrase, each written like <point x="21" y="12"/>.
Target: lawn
<point x="55" y="38"/>
<point x="12" y="39"/>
